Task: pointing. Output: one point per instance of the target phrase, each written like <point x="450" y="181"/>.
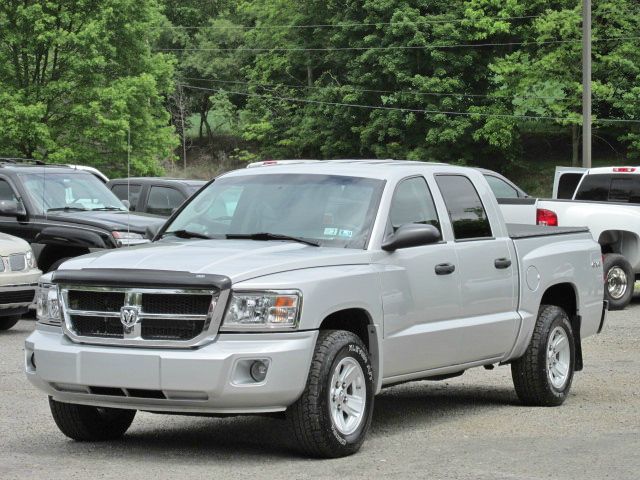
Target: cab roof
<point x="378" y="169"/>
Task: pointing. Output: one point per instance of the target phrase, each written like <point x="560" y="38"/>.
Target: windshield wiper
<point x="270" y="236"/>
<point x="187" y="234"/>
<point x="67" y="209"/>
<point x="108" y="209"/>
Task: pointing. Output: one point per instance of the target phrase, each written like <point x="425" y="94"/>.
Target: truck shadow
<point x="174" y="440"/>
<point x="418" y="405"/>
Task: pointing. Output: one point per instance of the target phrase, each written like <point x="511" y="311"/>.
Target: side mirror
<point x="10" y="208"/>
<point x="412" y="235"/>
<point x="152" y="230"/>
<point x="127" y="204"/>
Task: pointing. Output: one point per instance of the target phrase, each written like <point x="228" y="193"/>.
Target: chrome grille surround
<point x="133" y="297"/>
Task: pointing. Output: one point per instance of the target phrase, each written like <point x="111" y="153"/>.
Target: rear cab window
<point x="617" y="188"/>
<point x="500" y="188"/>
<point x="466" y="211"/>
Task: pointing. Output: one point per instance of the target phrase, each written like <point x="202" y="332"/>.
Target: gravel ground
<point x="471" y="427"/>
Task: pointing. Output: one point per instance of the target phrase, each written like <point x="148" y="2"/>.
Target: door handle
<point x="502" y="263"/>
<point x="445" y="269"/>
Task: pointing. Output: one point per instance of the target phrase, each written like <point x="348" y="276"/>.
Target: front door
<point x="420" y="288"/>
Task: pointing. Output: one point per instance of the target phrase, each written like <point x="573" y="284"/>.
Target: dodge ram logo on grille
<point x="129" y="316"/>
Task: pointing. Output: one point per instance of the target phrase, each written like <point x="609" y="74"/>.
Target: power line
<point x="375" y="107"/>
<point x="400" y="109"/>
<point x="390" y="47"/>
<point x="347" y="25"/>
<point x="366" y="90"/>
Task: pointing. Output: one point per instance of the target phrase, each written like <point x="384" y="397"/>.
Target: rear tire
<point x="7" y="322"/>
<point x="543" y="375"/>
<point x="333" y="415"/>
<point x="618" y="281"/>
<point x="90" y="424"/>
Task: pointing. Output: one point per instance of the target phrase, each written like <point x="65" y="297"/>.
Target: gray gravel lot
<point x="471" y="427"/>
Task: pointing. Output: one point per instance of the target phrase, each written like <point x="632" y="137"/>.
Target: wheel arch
<point x="360" y="322"/>
<point x="624" y="242"/>
<point x="566" y="296"/>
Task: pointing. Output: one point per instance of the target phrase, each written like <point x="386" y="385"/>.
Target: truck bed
<point x="518" y="231"/>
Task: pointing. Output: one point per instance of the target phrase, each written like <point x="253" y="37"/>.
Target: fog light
<point x="258" y="370"/>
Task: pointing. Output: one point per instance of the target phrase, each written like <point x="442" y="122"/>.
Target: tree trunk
<point x="575" y="143"/>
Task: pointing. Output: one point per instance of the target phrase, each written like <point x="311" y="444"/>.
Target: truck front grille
<point x="137" y="316"/>
<point x="176" y="304"/>
<point x="17" y="262"/>
<point x="17" y="296"/>
<point x="96" y="301"/>
<point x="87" y="326"/>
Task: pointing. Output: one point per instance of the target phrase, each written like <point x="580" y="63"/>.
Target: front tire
<point x="333" y="415"/>
<point x="7" y="322"/>
<point x="90" y="424"/>
<point x="543" y="375"/>
<point x="618" y="281"/>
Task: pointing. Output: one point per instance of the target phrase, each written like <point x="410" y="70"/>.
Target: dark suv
<point x="157" y="196"/>
<point x="65" y="212"/>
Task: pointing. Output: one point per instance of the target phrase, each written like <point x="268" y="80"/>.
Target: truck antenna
<point x="129" y="181"/>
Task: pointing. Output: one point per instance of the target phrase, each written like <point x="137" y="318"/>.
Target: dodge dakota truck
<point x="607" y="201"/>
<point x="306" y="289"/>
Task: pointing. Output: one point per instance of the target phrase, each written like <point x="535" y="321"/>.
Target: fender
<point x="73" y="237"/>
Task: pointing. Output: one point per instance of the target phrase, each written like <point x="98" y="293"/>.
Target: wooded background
<point x="495" y="83"/>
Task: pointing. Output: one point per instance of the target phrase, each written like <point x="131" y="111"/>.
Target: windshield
<point x="329" y="210"/>
<point x="69" y="191"/>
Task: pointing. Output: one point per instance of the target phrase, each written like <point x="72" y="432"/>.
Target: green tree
<point x="77" y="75"/>
<point x="544" y="78"/>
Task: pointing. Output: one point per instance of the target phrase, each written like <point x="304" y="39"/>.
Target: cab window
<point x="163" y="201"/>
<point x="466" y="211"/>
<point x="412" y="203"/>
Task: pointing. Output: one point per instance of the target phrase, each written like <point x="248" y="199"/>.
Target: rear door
<point x="488" y="270"/>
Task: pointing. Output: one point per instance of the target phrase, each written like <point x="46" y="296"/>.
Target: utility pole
<point x="586" y="83"/>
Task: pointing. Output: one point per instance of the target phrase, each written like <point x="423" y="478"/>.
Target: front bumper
<point x="210" y="379"/>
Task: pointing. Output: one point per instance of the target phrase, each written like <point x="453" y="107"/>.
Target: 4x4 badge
<point x="129" y="316"/>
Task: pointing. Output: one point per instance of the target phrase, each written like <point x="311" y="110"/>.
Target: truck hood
<point x="10" y="245"/>
<point x="237" y="259"/>
<point x="109" y="220"/>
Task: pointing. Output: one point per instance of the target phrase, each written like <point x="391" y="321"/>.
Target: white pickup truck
<point x="306" y="289"/>
<point x="607" y="201"/>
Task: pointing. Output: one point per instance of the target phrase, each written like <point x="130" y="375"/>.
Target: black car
<point x="65" y="212"/>
<point x="153" y="195"/>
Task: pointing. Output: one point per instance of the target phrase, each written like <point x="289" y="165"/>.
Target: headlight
<point x="48" y="304"/>
<point x="271" y="310"/>
<point x="30" y="259"/>
<point x="124" y="239"/>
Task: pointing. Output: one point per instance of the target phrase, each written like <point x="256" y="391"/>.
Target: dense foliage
<point x="472" y="81"/>
<point x="296" y="92"/>
<point x="77" y="75"/>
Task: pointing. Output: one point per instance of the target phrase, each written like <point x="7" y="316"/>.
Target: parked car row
<point x="51" y="213"/>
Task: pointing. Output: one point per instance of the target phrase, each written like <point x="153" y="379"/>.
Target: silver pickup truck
<point x="306" y="289"/>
